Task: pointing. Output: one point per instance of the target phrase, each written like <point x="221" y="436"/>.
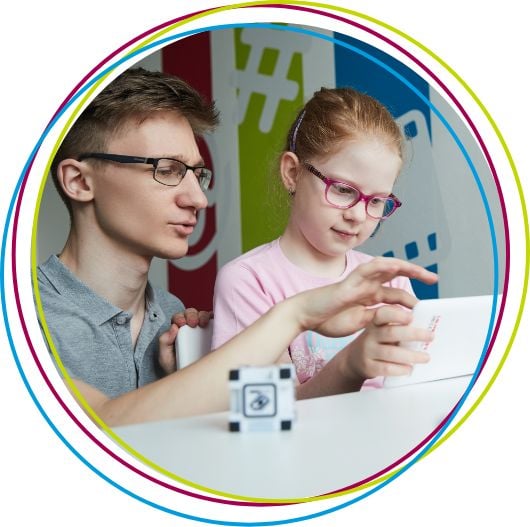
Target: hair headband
<point x="292" y="144"/>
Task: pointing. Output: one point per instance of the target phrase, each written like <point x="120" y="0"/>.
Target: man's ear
<point x="75" y="180"/>
<point x="289" y="171"/>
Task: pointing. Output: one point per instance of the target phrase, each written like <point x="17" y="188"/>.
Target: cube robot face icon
<point x="262" y="398"/>
<point x="259" y="400"/>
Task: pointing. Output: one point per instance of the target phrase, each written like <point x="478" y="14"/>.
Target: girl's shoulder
<point x="259" y="256"/>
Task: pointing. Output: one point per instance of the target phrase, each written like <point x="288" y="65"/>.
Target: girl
<point x="342" y="157"/>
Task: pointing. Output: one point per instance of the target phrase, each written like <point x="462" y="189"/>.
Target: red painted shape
<point x="190" y="59"/>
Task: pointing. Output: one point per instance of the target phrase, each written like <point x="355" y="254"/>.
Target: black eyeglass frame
<point x="119" y="158"/>
<point x="362" y="196"/>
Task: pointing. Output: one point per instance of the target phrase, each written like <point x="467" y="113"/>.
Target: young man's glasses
<point x="343" y="196"/>
<point x="166" y="171"/>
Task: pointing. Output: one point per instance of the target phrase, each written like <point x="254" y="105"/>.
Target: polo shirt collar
<point x="69" y="286"/>
<point x="152" y="307"/>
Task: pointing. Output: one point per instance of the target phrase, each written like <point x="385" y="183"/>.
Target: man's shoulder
<point x="50" y="280"/>
<point x="67" y="302"/>
<point x="45" y="271"/>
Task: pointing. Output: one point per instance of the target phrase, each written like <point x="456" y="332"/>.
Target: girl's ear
<point x="75" y="180"/>
<point x="289" y="171"/>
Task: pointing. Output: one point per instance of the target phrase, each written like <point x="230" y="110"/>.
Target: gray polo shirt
<point x="93" y="337"/>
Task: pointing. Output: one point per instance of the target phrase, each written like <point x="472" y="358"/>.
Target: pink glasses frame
<point x="362" y="197"/>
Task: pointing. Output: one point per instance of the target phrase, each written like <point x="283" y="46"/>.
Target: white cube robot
<point x="262" y="398"/>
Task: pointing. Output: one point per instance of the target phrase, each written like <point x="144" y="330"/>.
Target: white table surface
<point x="335" y="442"/>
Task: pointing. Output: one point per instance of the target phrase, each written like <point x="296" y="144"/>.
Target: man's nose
<point x="191" y="193"/>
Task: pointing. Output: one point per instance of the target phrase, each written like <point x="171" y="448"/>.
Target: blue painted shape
<point x="411" y="250"/>
<point x="389" y="254"/>
<point x="411" y="130"/>
<point x="424" y="291"/>
<point x="352" y="69"/>
<point x="431" y="240"/>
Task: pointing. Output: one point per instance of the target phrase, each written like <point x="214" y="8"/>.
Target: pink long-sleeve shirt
<point x="250" y="285"/>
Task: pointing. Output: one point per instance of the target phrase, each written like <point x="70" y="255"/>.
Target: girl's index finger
<point x="383" y="269"/>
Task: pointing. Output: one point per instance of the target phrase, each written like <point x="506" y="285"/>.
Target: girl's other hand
<point x="379" y="350"/>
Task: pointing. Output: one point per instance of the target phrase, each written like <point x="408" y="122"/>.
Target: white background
<point x="477" y="477"/>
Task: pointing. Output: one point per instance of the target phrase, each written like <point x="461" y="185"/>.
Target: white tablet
<point x="192" y="344"/>
<point x="460" y="328"/>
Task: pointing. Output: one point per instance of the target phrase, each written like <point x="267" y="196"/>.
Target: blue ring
<point x="32" y="156"/>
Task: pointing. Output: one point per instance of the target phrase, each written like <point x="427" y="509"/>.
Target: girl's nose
<point x="356" y="213"/>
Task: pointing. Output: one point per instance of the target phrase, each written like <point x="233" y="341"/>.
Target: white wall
<point x="437" y="186"/>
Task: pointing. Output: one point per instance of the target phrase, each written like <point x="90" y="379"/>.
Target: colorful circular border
<point x="293" y="5"/>
<point x="384" y="473"/>
<point x="407" y="456"/>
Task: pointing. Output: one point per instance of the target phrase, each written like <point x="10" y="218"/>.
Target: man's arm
<point x="202" y="386"/>
<point x="335" y="310"/>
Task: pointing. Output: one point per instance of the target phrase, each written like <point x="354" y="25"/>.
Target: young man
<point x="132" y="177"/>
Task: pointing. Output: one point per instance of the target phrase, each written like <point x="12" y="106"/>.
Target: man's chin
<point x="173" y="253"/>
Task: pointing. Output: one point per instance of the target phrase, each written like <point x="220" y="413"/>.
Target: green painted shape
<point x="242" y="50"/>
<point x="264" y="207"/>
<point x="268" y="61"/>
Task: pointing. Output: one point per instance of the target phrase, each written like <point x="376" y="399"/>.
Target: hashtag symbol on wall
<point x="274" y="86"/>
